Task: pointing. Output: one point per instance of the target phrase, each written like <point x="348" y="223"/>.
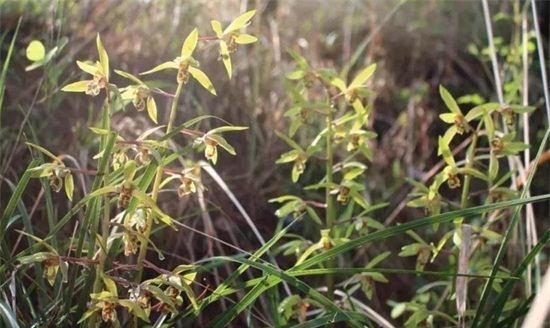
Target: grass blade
<point x="7" y="61"/>
<point x="508" y="235"/>
<point x="8" y="316"/>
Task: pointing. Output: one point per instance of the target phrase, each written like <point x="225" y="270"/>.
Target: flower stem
<point x="330" y="212"/>
<point x="156" y="188"/>
<point x="106" y="206"/>
<point x="470" y="157"/>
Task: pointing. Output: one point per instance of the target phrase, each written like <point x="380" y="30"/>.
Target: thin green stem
<point x="173" y="109"/>
<point x="330" y="213"/>
<point x="106" y="205"/>
<point x="156" y="189"/>
<point x="470" y="158"/>
<point x="100" y="268"/>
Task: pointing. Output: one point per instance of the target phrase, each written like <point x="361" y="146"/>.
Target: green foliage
<point x="126" y="180"/>
<point x="90" y="262"/>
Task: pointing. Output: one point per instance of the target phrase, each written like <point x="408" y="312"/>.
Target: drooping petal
<point x="189" y="44"/>
<point x="240" y="22"/>
<point x="163" y="66"/>
<point x="245" y="38"/>
<point x="211" y="153"/>
<point x="202" y="79"/>
<point x="225" y="57"/>
<point x="80" y="86"/>
<point x="152" y="109"/>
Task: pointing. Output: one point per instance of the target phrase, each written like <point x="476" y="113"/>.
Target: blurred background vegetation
<point x="416" y="44"/>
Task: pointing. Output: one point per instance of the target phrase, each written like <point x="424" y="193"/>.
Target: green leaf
<point x="449" y="100"/>
<point x="103" y="58"/>
<point x="189" y="44"/>
<point x="69" y="186"/>
<point x="163" y="66"/>
<point x="80" y="86"/>
<point x="245" y="39"/>
<point x="42" y="150"/>
<point x="363" y="76"/>
<point x="152" y="109"/>
<point x="240" y="22"/>
<point x="6" y="63"/>
<point x="486" y="292"/>
<point x="202" y="79"/>
<point x="35" y="51"/>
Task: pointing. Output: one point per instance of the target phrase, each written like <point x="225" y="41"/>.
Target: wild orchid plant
<point x="493" y="126"/>
<point x="125" y="171"/>
<point x="322" y="98"/>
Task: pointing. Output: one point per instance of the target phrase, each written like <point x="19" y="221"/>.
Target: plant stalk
<point x="330" y="212"/>
<point x="106" y="205"/>
<point x="470" y="158"/>
<point x="156" y="189"/>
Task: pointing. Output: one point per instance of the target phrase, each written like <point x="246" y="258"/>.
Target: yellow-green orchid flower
<point x="99" y="71"/>
<point x="229" y="38"/>
<point x="455" y="117"/>
<point x="186" y="64"/>
<point x="212" y="139"/>
<point x="140" y="94"/>
<point x="356" y="89"/>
